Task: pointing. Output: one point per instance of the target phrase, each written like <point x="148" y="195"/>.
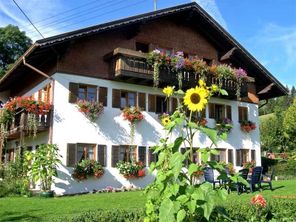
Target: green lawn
<point x="38" y="209"/>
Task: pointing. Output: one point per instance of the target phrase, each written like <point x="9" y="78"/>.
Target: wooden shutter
<point x="174" y="104"/>
<point x="116" y="98"/>
<point x="203" y="113"/>
<point x="211" y="110"/>
<point x="142" y="154"/>
<point x="253" y="155"/>
<point x="142" y="101"/>
<point x="102" y="155"/>
<point x="238" y="157"/>
<point x="228" y="112"/>
<point x="230" y="156"/>
<point x="151" y="157"/>
<point x="103" y="94"/>
<point x="242" y="113"/>
<point x="73" y="94"/>
<point x="151" y="103"/>
<point x="115" y="155"/>
<point x="71" y="154"/>
<point x="245" y="113"/>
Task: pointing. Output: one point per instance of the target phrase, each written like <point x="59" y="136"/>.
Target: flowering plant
<point x="91" y="109"/>
<point x="249" y="165"/>
<point x="224" y="125"/>
<point x="87" y="168"/>
<point x="247" y="126"/>
<point x="164" y="118"/>
<point x="131" y="169"/>
<point x="202" y="122"/>
<point x="132" y="114"/>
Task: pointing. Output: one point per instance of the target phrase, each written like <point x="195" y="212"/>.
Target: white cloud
<point x="211" y="7"/>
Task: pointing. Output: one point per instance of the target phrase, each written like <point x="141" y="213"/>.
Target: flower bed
<point x="247" y="126"/>
<point x="131" y="169"/>
<point x="87" y="168"/>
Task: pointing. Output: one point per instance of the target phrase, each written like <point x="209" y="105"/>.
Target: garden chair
<point x="256" y="178"/>
<point x="240" y="186"/>
<point x="209" y="176"/>
<point x="268" y="178"/>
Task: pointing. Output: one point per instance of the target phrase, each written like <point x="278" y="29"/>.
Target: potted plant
<point x="131" y="169"/>
<point x="79" y="172"/>
<point x="44" y="167"/>
<point x="247" y="126"/>
<point x="98" y="170"/>
<point x="87" y="168"/>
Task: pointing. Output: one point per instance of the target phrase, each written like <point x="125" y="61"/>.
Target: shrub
<point x="99" y="215"/>
<point x="286" y="169"/>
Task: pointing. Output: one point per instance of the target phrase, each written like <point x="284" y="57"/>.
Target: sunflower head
<point x="196" y="99"/>
<point x="165" y="121"/>
<point x="168" y="91"/>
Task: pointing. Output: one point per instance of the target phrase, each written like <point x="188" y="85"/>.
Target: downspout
<point x="50" y="133"/>
<point x="263" y="104"/>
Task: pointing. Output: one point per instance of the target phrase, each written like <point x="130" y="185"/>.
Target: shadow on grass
<point x="18" y="216"/>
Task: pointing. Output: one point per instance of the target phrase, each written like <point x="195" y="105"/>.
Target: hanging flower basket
<point x="247" y="126"/>
<point x="91" y="109"/>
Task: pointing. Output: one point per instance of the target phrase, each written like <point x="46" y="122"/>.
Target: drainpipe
<point x="50" y="133"/>
<point x="263" y="104"/>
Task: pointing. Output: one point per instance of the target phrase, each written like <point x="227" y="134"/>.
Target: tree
<point x="13" y="43"/>
<point x="290" y="125"/>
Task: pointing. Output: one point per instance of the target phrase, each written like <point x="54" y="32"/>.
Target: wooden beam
<point x="228" y="54"/>
<point x="266" y="89"/>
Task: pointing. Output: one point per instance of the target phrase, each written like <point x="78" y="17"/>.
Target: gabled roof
<point x="196" y="12"/>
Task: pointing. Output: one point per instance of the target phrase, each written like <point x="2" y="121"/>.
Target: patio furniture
<point x="268" y="178"/>
<point x="209" y="176"/>
<point x="240" y="186"/>
<point x="255" y="178"/>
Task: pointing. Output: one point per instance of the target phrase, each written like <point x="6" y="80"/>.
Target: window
<point x="253" y="155"/>
<point x="122" y="153"/>
<point x="242" y="156"/>
<point x="242" y="113"/>
<point x="152" y="157"/>
<point x="158" y="104"/>
<point x="219" y="111"/>
<point x="142" y="47"/>
<point x="78" y="152"/>
<point x="142" y="154"/>
<point x="221" y="157"/>
<point x="87" y="92"/>
<point x="123" y="98"/>
<point x="230" y="156"/>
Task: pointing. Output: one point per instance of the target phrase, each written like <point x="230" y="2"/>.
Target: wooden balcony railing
<point x="128" y="65"/>
<point x="20" y="123"/>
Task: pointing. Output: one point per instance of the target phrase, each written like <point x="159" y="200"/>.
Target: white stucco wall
<point x="71" y="126"/>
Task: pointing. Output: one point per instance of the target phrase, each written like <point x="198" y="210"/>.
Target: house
<point x="107" y="63"/>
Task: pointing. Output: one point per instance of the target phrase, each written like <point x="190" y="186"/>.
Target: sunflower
<point x="202" y="83"/>
<point x="196" y="99"/>
<point x="165" y="121"/>
<point x="168" y="91"/>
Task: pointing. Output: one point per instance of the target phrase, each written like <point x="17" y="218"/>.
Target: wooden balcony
<point x="19" y="125"/>
<point x="131" y="66"/>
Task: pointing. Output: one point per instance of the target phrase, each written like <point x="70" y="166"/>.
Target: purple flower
<point x="180" y="63"/>
<point x="180" y="54"/>
<point x="240" y="73"/>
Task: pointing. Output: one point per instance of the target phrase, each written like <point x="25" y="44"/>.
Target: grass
<point x="39" y="209"/>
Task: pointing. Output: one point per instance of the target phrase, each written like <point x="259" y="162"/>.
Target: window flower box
<point x="247" y="126"/>
<point x="131" y="170"/>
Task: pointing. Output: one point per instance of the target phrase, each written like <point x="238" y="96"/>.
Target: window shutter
<point x="142" y="101"/>
<point x="103" y="93"/>
<point x="151" y="157"/>
<point x="253" y="155"/>
<point x="174" y="104"/>
<point x="238" y="158"/>
<point x="245" y="113"/>
<point x="115" y="155"/>
<point x="242" y="113"/>
<point x="71" y="154"/>
<point x="212" y="110"/>
<point x="203" y="113"/>
<point x="102" y="155"/>
<point x="116" y="98"/>
<point x="230" y="156"/>
<point x="73" y="94"/>
<point x="142" y="154"/>
<point x="228" y="112"/>
<point x="152" y="103"/>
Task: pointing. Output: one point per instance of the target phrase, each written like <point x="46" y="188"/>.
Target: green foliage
<point x="286" y="169"/>
<point x="44" y="164"/>
<point x="87" y="168"/>
<point x="13" y="43"/>
<point x="290" y="124"/>
<point x="106" y="215"/>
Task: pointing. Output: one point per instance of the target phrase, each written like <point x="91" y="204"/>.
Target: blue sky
<point x="266" y="28"/>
